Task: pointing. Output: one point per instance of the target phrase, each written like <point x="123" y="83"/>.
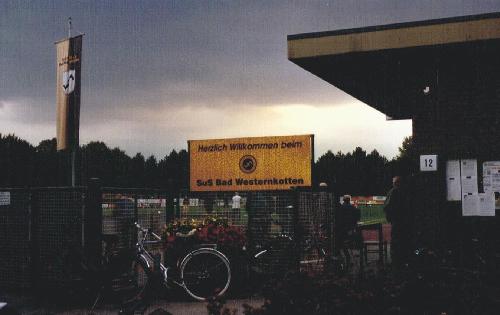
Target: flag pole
<point x="73" y="158"/>
<point x="73" y="148"/>
<point x="69" y="27"/>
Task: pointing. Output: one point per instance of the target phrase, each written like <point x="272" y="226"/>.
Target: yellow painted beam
<point x="413" y="36"/>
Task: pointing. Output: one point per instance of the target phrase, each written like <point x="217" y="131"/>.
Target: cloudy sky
<point x="158" y="73"/>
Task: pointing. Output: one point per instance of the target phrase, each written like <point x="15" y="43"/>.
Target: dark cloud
<point x="156" y="55"/>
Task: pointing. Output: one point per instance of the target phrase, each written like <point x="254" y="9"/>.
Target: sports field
<point x="372" y="214"/>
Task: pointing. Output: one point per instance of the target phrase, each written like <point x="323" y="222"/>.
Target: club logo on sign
<point x="68" y="81"/>
<point x="248" y="164"/>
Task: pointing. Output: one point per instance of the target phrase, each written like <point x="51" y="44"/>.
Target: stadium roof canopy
<point x="390" y="67"/>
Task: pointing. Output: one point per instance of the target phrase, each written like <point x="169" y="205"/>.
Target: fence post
<point x="334" y="215"/>
<point x="325" y="195"/>
<point x="93" y="222"/>
<point x="250" y="221"/>
<point x="35" y="240"/>
<point x="131" y="228"/>
<point x="298" y="229"/>
<point x="169" y="207"/>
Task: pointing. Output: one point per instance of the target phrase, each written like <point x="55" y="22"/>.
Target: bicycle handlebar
<point x="140" y="228"/>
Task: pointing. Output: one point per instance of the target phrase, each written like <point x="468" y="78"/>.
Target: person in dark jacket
<point x="346" y="223"/>
<point x="397" y="212"/>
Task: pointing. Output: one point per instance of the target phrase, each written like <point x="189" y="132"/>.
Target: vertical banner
<point x="69" y="62"/>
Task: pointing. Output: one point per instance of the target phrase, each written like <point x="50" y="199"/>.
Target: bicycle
<point x="308" y="246"/>
<point x="204" y="273"/>
<point x="283" y="254"/>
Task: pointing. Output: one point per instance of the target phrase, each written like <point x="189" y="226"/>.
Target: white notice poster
<point x="468" y="170"/>
<point x="469" y="167"/>
<point x="487" y="204"/>
<point x="4" y="198"/>
<point x="470" y="205"/>
<point x="454" y="189"/>
<point x="469" y="185"/>
<point x="491" y="176"/>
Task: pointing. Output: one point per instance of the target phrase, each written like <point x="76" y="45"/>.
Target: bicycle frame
<point x="189" y="283"/>
<point x="145" y="256"/>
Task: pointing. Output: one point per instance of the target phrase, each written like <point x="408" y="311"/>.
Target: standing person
<point x="236" y="207"/>
<point x="346" y="225"/>
<point x="397" y="213"/>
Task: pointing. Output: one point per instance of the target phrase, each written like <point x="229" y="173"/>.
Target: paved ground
<point x="178" y="308"/>
<point x="27" y="306"/>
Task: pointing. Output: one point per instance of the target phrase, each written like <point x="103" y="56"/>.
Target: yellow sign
<point x="258" y="163"/>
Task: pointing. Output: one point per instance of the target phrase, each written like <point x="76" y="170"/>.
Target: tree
<point x="17" y="161"/>
<point x="21" y="164"/>
<point x="406" y="162"/>
<point x="47" y="168"/>
<point x="151" y="175"/>
<point x="137" y="166"/>
<point x="354" y="173"/>
<point x="120" y="169"/>
<point x="174" y="171"/>
<point x="96" y="162"/>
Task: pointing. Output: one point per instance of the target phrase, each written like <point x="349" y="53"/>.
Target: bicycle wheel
<point x="139" y="279"/>
<point x="205" y="273"/>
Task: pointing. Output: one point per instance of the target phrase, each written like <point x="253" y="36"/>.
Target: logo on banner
<point x="68" y="81"/>
<point x="248" y="164"/>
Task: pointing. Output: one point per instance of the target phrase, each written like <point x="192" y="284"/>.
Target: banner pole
<point x="73" y="158"/>
<point x="69" y="27"/>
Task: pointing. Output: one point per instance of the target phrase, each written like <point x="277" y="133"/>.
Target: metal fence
<point x="40" y="226"/>
<point x="15" y="239"/>
<point x="306" y="216"/>
<point x="58" y="217"/>
<point x="37" y="226"/>
<point x="122" y="207"/>
<point x="315" y="223"/>
<point x="210" y="204"/>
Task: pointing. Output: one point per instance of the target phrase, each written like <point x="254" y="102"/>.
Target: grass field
<point x="372" y="214"/>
